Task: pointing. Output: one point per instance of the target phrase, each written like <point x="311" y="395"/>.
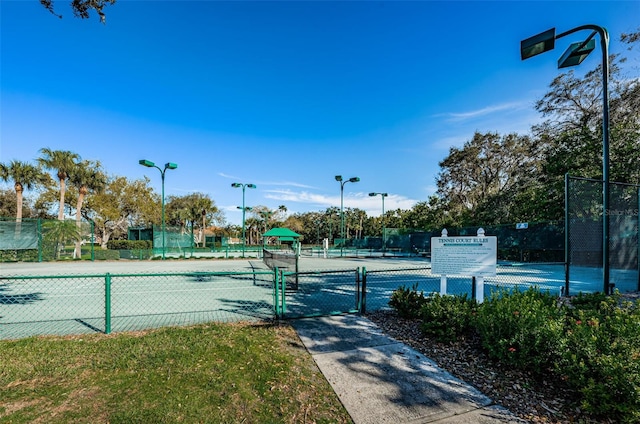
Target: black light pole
<point x="573" y="56"/>
<point x="168" y="165"/>
<point x="342" y="183"/>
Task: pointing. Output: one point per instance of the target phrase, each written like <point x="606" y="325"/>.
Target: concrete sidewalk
<point x="380" y="380"/>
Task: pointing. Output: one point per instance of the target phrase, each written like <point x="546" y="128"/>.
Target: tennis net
<point x="280" y="259"/>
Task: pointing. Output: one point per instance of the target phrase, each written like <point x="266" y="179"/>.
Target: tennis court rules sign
<point x="473" y="256"/>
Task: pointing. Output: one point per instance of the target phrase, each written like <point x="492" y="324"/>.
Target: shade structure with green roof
<point x="283" y="234"/>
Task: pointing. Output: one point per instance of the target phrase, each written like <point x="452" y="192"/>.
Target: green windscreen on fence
<point x="35" y="239"/>
<point x="18" y="235"/>
<point x="174" y="238"/>
<point x="585" y="230"/>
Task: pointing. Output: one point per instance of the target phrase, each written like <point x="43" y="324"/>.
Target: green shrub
<point x="592" y="343"/>
<point x="521" y="329"/>
<point x="601" y="356"/>
<point x="407" y="301"/>
<point x="106" y="255"/>
<point x="589" y="301"/>
<point x="129" y="244"/>
<point x="447" y="317"/>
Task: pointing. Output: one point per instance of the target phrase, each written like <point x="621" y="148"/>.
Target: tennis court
<point x="80" y="297"/>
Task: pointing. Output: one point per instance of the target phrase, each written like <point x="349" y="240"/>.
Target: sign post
<point x="465" y="255"/>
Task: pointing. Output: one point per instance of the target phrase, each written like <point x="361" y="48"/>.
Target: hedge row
<point x="591" y="342"/>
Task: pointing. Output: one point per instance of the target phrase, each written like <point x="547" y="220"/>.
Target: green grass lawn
<point x="217" y="373"/>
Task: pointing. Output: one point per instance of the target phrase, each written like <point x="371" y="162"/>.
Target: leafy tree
<point x="24" y="176"/>
<point x="82" y="8"/>
<point x="331" y="221"/>
<point x="196" y="209"/>
<point x="395" y="218"/>
<point x="123" y="203"/>
<point x="8" y="203"/>
<point x="63" y="162"/>
<point x="353" y="220"/>
<point x="478" y="181"/>
<point x="295" y="223"/>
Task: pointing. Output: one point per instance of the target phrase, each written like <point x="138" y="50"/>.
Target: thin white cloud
<point x="286" y="183"/>
<point x="231" y="177"/>
<point x="371" y="205"/>
<point x="269" y="183"/>
<point x="461" y="116"/>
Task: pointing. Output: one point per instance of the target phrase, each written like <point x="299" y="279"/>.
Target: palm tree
<point x="24" y="175"/>
<point x="87" y="177"/>
<point x="63" y="162"/>
<point x="57" y="233"/>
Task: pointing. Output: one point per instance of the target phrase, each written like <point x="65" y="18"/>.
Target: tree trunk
<point x="77" y="252"/>
<point x="62" y="190"/>
<point x="18" y="229"/>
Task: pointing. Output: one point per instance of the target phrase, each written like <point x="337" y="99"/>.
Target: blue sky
<point x="284" y="95"/>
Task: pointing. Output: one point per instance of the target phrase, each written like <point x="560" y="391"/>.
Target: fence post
<point x="567" y="238"/>
<point x="479" y="280"/>
<point x="107" y="303"/>
<point x="92" y="240"/>
<point x="276" y="301"/>
<point x="358" y="297"/>
<point x="283" y="285"/>
<point x="473" y="287"/>
<point x="363" y="296"/>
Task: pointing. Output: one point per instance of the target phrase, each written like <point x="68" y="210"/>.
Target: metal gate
<point x="317" y="293"/>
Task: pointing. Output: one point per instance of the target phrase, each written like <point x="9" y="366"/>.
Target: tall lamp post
<point x="342" y="183"/>
<point x="244" y="209"/>
<point x="383" y="195"/>
<point x="168" y="165"/>
<point x="573" y="56"/>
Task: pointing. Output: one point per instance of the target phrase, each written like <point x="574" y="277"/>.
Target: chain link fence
<point x="584" y="241"/>
<point x="531" y="242"/>
<point x="78" y="304"/>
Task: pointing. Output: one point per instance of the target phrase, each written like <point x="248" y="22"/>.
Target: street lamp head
<point x="170" y="165"/>
<point x="373" y="194"/>
<point x="576" y="53"/>
<point x="236" y="185"/>
<point x="354" y="179"/>
<point x="146" y="163"/>
<point x="251" y="185"/>
<point x="538" y="44"/>
<point x="384" y="194"/>
<point x="338" y="177"/>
